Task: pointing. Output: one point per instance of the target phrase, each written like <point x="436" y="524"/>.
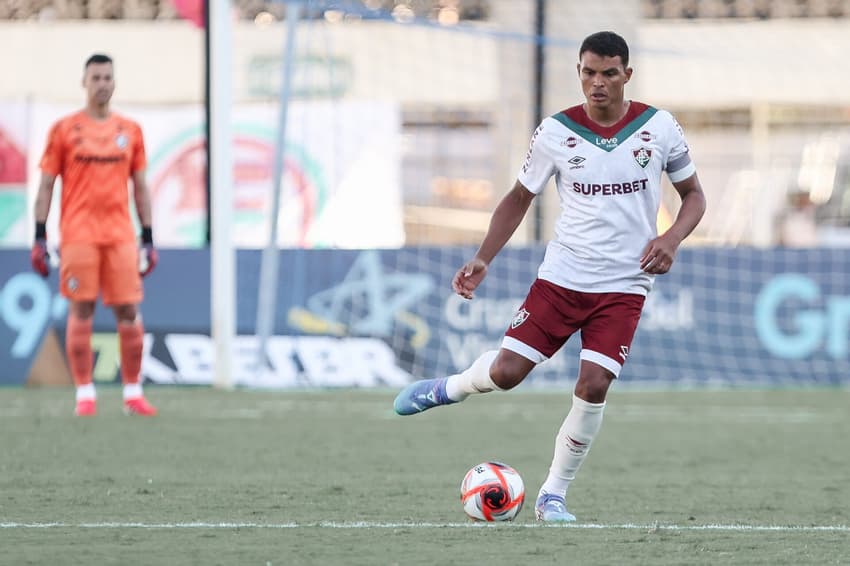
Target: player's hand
<point x="148" y="258"/>
<point x="659" y="254"/>
<point x="39" y="257"/>
<point x="468" y="277"/>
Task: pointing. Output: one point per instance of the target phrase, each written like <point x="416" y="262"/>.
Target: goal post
<point x="222" y="252"/>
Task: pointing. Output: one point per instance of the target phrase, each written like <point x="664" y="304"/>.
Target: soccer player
<point x="96" y="151"/>
<point x="607" y="156"/>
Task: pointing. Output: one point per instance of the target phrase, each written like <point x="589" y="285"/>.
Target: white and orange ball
<point x="492" y="491"/>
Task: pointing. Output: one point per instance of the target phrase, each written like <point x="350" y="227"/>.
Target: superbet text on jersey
<point x="609" y="183"/>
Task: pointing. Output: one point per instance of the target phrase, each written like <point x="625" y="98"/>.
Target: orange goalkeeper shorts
<point x="111" y="270"/>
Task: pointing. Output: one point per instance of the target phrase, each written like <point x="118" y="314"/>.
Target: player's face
<point x="602" y="79"/>
<point x="99" y="83"/>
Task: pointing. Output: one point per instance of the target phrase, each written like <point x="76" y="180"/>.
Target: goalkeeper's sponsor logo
<point x="99" y="159"/>
<point x="609" y="189"/>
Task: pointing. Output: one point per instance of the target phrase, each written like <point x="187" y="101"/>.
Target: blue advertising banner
<point x="365" y="318"/>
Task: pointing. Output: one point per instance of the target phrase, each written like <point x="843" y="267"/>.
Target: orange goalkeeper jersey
<point x="95" y="159"/>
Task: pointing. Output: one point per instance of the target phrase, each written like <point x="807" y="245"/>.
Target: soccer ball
<point x="492" y="491"/>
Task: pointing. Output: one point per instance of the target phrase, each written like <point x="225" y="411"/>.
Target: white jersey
<point x="609" y="184"/>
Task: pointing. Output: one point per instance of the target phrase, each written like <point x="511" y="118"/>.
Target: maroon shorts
<point x="551" y="314"/>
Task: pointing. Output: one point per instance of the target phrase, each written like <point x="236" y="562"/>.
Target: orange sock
<point x="78" y="349"/>
<point x="132" y="338"/>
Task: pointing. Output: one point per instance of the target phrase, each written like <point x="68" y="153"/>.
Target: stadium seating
<point x="247" y="9"/>
<point x="466" y="9"/>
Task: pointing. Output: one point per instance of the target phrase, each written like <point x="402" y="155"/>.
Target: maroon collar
<point x="579" y="116"/>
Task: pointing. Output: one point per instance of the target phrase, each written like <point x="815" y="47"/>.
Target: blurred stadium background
<point x="406" y="123"/>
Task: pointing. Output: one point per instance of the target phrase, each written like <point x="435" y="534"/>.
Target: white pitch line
<point x="412" y="525"/>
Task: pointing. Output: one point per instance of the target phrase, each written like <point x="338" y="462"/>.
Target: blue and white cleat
<point x="422" y="395"/>
<point x="552" y="509"/>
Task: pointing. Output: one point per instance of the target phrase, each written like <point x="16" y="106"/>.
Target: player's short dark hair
<point x="606" y="44"/>
<point x="97" y="58"/>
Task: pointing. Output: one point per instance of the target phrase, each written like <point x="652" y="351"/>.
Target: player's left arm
<point x="141" y="196"/>
<point x="659" y="254"/>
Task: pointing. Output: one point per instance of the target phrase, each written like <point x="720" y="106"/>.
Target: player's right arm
<point x="39" y="256"/>
<point x="44" y="197"/>
<point x="504" y="222"/>
<point x="536" y="170"/>
<point x="51" y="166"/>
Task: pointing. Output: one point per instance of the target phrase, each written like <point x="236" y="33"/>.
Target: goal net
<point x="409" y="123"/>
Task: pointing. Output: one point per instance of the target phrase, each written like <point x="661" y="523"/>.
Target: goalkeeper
<point x="95" y="151"/>
<point x="607" y="156"/>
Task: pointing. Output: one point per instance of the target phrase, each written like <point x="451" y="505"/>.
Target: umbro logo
<point x="624" y="352"/>
<point x="576" y="162"/>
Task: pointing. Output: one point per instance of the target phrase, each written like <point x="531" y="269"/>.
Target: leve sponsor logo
<point x="607" y="143"/>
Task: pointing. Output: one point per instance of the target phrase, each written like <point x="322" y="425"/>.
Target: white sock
<point x="86" y="392"/>
<point x="132" y="391"/>
<point x="476" y="379"/>
<point x="572" y="444"/>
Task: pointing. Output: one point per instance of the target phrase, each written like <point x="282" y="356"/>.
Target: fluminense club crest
<point x="520" y="317"/>
<point x="642" y="155"/>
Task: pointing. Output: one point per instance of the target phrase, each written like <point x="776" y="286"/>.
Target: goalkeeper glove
<point x="148" y="257"/>
<point x="39" y="257"/>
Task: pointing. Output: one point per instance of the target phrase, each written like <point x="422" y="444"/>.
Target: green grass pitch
<point x="315" y="478"/>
